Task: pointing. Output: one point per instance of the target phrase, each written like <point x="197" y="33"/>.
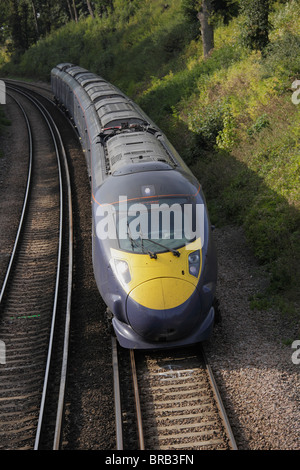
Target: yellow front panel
<point x="158" y="294"/>
<point x="162" y="293"/>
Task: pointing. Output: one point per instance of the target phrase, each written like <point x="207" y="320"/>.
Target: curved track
<point x="172" y="413"/>
<point x="36" y="294"/>
<point x="25" y="201"/>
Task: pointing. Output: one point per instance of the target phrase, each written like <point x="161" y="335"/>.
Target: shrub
<point x="261" y="123"/>
<point x="207" y="123"/>
<point x="256" y="27"/>
<point x="227" y="137"/>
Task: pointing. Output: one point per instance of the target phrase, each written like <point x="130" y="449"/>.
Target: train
<point x="153" y="253"/>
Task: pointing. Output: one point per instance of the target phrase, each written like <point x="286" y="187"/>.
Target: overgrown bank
<point x="231" y="116"/>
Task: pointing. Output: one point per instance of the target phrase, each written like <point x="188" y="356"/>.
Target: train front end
<point x="154" y="259"/>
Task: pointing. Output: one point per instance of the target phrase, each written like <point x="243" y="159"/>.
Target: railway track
<point x="168" y="401"/>
<point x="171" y="403"/>
<point x="36" y="293"/>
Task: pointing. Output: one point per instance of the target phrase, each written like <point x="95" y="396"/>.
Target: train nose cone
<point x="163" y="309"/>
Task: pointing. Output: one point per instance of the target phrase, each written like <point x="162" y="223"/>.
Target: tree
<point x="70" y="10"/>
<point x="102" y="7"/>
<point x="75" y="11"/>
<point x="257" y="25"/>
<point x="23" y="22"/>
<point x="35" y="18"/>
<point x="15" y="24"/>
<point x="90" y="8"/>
<point x="207" y="12"/>
<point x="204" y="15"/>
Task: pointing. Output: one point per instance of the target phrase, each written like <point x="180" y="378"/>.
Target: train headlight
<point x="194" y="263"/>
<point x="122" y="270"/>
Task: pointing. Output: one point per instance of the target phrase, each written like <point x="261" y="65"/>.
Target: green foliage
<point x="226" y="138"/>
<point x="208" y="124"/>
<point x="257" y="25"/>
<point x="225" y="9"/>
<point x="259" y="302"/>
<point x="23" y="22"/>
<point x="261" y="123"/>
<point x="125" y="9"/>
<point x="283" y="58"/>
<point x="173" y="91"/>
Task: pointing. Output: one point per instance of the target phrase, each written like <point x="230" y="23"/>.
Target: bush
<point x="227" y="137"/>
<point x="261" y="123"/>
<point x="207" y="123"/>
<point x="256" y="26"/>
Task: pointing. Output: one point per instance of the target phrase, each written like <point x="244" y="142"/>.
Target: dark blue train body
<point x="153" y="255"/>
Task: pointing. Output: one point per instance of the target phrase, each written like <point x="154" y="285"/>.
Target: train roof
<point x="131" y="141"/>
<point x="151" y="182"/>
<point x="64" y="66"/>
<point x="128" y="149"/>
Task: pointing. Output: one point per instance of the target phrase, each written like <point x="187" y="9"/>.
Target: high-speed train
<point x="153" y="254"/>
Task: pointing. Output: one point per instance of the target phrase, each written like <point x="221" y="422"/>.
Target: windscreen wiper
<point x="135" y="244"/>
<point x="175" y="252"/>
<point x="132" y="241"/>
<point x="150" y="253"/>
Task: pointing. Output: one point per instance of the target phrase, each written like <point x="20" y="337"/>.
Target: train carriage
<point x="153" y="254"/>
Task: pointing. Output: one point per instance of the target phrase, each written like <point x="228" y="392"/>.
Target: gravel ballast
<point x="253" y="367"/>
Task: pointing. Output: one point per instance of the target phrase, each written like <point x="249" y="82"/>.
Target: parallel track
<point x="38" y="281"/>
<point x="173" y="404"/>
<point x="25" y="201"/>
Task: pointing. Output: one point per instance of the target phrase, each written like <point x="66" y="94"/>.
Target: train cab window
<point x="156" y="226"/>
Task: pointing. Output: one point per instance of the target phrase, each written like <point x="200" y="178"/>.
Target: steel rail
<point x="63" y="380"/>
<point x="117" y="394"/>
<point x="206" y="377"/>
<point x="117" y="398"/>
<point x="137" y="401"/>
<point x="59" y="256"/>
<point x="29" y="174"/>
<point x="53" y="129"/>
<point x="27" y="85"/>
<point x="219" y="402"/>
